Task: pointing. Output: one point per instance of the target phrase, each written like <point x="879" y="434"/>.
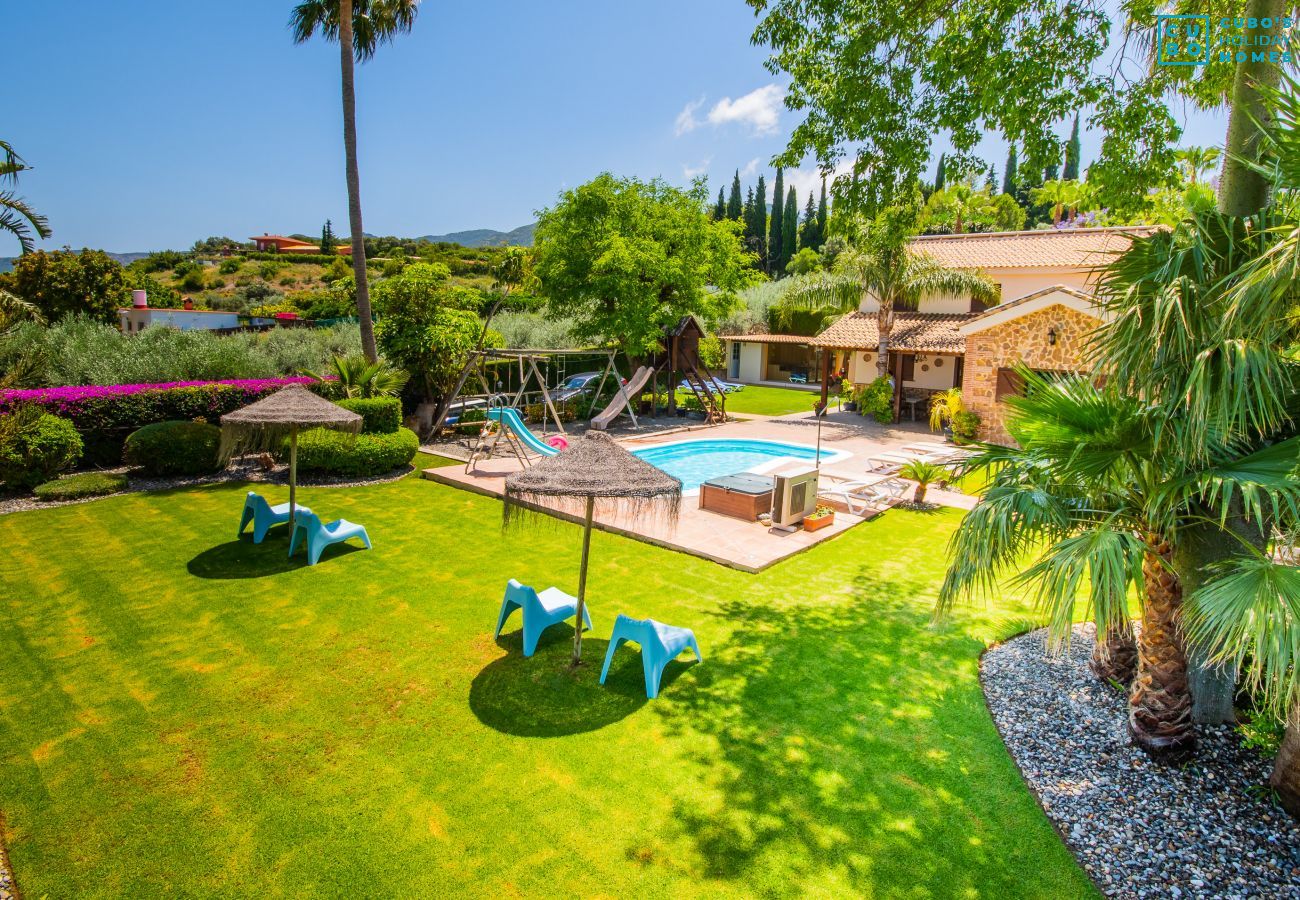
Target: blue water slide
<point x="509" y="418"/>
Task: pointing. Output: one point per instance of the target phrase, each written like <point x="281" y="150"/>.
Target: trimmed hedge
<point x="39" y="450"/>
<point x="325" y="452"/>
<point x="174" y="448"/>
<point x="78" y="487"/>
<point x="379" y="415"/>
<point x="105" y="415"/>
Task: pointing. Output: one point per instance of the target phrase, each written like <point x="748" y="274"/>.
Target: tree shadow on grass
<point x="241" y="558"/>
<point x="541" y="696"/>
<point x="845" y="747"/>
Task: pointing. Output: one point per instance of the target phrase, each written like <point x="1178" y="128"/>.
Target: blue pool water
<point x="695" y="462"/>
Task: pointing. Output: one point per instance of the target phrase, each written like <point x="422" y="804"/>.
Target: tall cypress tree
<point x="1052" y="172"/>
<point x="789" y="227"/>
<point x="327" y="239"/>
<point x="1009" y="177"/>
<point x="991" y="180"/>
<point x="760" y="220"/>
<point x="939" y="175"/>
<point x="823" y="218"/>
<point x="747" y="217"/>
<point x="735" y="205"/>
<point x="720" y="211"/>
<point x="808" y="236"/>
<point x="1072" y="152"/>
<point x="775" y="246"/>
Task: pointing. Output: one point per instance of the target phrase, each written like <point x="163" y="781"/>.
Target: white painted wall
<point x="753" y="361"/>
<point x="1015" y="283"/>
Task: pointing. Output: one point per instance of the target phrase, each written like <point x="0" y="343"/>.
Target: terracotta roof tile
<point x="1072" y="248"/>
<point x="913" y="331"/>
<point x="767" y="338"/>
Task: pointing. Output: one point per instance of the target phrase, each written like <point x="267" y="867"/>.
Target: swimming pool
<point x="695" y="462"/>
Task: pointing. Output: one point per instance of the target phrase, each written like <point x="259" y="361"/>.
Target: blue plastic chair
<point x="263" y="515"/>
<point x="318" y="536"/>
<point x="540" y="611"/>
<point x="660" y="645"/>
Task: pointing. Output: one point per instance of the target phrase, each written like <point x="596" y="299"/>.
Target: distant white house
<point x="140" y="315"/>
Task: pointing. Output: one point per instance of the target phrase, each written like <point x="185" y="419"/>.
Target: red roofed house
<point x="1043" y="318"/>
<point x="277" y="243"/>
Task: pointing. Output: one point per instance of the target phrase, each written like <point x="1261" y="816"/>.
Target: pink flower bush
<point x="59" y="399"/>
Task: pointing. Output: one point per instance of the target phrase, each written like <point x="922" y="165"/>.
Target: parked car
<point x="579" y="385"/>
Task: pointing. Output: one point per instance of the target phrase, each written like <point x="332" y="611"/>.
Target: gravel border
<point x="245" y="470"/>
<point x="1206" y="829"/>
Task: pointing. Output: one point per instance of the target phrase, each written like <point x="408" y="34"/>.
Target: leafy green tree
<point x="806" y="261"/>
<point x="16" y="217"/>
<point x="776" y="252"/>
<point x="1073" y="150"/>
<point x="1010" y="175"/>
<point x="880" y="267"/>
<point x="959" y="206"/>
<point x="23" y="368"/>
<point x="735" y="206"/>
<point x="1059" y="195"/>
<point x="789" y="227"/>
<point x="62" y="283"/>
<point x="624" y="259"/>
<point x="359" y="27"/>
<point x="427" y="325"/>
<point x="1008" y="215"/>
<point x="327" y="240"/>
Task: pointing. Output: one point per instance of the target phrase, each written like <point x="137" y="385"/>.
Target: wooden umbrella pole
<point x="293" y="475"/>
<point x="582" y="583"/>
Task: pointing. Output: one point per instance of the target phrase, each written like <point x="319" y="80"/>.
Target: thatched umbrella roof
<point x="594" y="474"/>
<point x="594" y="467"/>
<point x="287" y="410"/>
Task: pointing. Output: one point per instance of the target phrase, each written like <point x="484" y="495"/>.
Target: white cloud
<point x="751" y="168"/>
<point x="686" y="120"/>
<point x="691" y="171"/>
<point x="759" y="109"/>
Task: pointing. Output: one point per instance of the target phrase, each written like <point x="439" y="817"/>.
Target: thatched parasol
<point x="261" y="424"/>
<point x="594" y="473"/>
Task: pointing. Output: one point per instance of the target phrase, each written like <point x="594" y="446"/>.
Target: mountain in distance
<point x="7" y="262"/>
<point x="486" y="237"/>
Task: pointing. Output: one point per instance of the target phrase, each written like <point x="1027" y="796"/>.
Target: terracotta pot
<point x="812" y="523"/>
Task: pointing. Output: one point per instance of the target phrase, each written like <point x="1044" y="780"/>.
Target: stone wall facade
<point x="1023" y="340"/>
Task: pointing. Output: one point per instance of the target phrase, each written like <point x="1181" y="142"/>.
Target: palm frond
<point x="20" y="220"/>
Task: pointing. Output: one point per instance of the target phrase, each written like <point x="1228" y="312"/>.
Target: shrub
<point x="104" y="416"/>
<point x="77" y="487"/>
<point x="174" y="448"/>
<point x="328" y="452"/>
<point x="877" y="400"/>
<point x="229" y="266"/>
<point x="379" y="415"/>
<point x="35" y="447"/>
<point x="965" y="426"/>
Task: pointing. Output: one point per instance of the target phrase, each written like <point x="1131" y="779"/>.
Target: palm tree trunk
<point x="346" y="63"/>
<point x="884" y="325"/>
<point x="1286" y="770"/>
<point x="1160" y="700"/>
<point x="1114" y="655"/>
<point x="1243" y="192"/>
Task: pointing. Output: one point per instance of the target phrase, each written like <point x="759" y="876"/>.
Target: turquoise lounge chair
<point x="263" y="515"/>
<point x="540" y="611"/>
<point x="319" y="536"/>
<point x="660" y="645"/>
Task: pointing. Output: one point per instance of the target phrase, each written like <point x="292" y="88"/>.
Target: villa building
<point x="1041" y="320"/>
<point x="278" y="243"/>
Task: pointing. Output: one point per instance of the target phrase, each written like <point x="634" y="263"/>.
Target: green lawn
<point x="770" y="401"/>
<point x="186" y="714"/>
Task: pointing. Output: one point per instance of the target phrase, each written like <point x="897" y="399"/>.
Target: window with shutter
<point x="909" y="367"/>
<point x="1009" y="383"/>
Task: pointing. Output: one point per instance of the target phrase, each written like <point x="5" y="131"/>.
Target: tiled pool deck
<point x="733" y="542"/>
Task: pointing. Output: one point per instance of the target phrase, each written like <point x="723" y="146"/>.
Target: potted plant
<point x="847" y="397"/>
<point x="822" y="516"/>
<point x="945" y="407"/>
<point x="965" y="427"/>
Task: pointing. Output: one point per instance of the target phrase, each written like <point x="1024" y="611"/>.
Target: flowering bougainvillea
<point x="106" y="414"/>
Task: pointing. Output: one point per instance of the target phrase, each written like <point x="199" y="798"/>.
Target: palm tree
<point x="924" y="474"/>
<point x="359" y="27"/>
<point x="16" y="217"/>
<point x="1196" y="161"/>
<point x="963" y="202"/>
<point x="1060" y="195"/>
<point x="1092" y="494"/>
<point x="883" y="267"/>
<point x="23" y="369"/>
<point x="358" y="377"/>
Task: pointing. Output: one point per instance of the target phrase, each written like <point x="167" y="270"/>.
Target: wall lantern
<point x="1051" y="337"/>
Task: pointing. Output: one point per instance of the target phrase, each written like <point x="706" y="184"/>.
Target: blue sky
<point x="151" y="124"/>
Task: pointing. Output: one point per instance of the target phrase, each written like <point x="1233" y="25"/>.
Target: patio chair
<point x="540" y="611"/>
<point x="318" y="535"/>
<point x="660" y="645"/>
<point x="263" y="515"/>
<point x="872" y="493"/>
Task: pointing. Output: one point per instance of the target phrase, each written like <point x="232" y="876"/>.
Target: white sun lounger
<point x="871" y="493"/>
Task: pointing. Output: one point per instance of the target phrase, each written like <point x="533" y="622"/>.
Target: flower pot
<point x="812" y="523"/>
<point x="947" y="432"/>
<point x="850" y="406"/>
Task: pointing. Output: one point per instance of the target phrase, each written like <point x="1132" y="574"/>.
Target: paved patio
<point x="730" y="541"/>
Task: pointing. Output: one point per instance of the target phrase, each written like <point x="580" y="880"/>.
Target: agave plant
<point x="357" y="377"/>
